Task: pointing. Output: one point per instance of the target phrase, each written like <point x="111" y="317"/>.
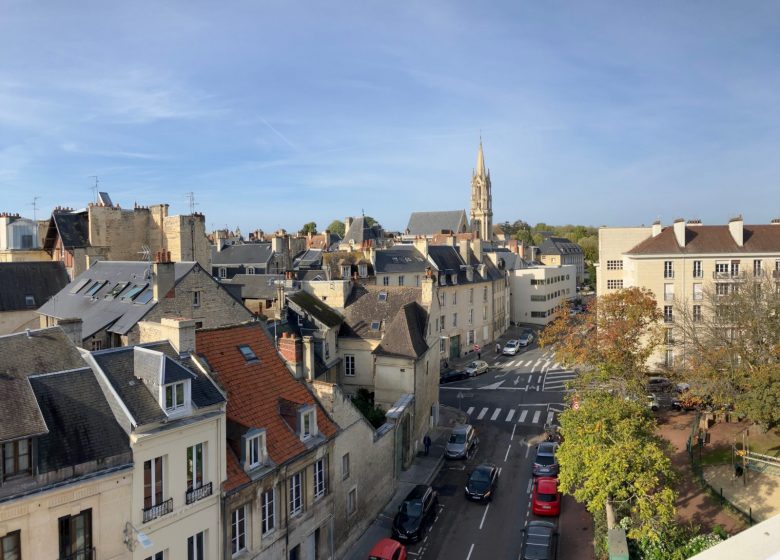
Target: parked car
<point x="476" y="367"/>
<point x="462" y="443"/>
<point x="540" y="541"/>
<point x="415" y="513"/>
<point x="453" y="375"/>
<point x="526" y="337"/>
<point x="545" y="499"/>
<point x="652" y="402"/>
<point x="545" y="463"/>
<point x="387" y="549"/>
<point x="511" y="348"/>
<point x="658" y="384"/>
<point x="482" y="482"/>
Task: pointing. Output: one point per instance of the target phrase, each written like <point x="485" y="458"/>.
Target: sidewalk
<point x="422" y="471"/>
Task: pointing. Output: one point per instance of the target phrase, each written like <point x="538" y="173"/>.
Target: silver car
<point x="476" y="367"/>
<point x="462" y="443"/>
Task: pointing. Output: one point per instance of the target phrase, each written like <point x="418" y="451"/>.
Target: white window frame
<point x="454" y="298"/>
<point x="198" y="550"/>
<point x="352" y="501"/>
<point x="174" y="398"/>
<point x="268" y="511"/>
<point x="238" y="530"/>
<point x="250" y="270"/>
<point x="698" y="271"/>
<point x="192" y="452"/>
<point x="255" y="450"/>
<point x="471" y="316"/>
<point x="454" y="320"/>
<point x="320" y="478"/>
<point x="222" y="272"/>
<point x="698" y="292"/>
<point x="349" y="365"/>
<point x="385" y="280"/>
<point x="345" y="466"/>
<point x="668" y="269"/>
<point x="400" y="279"/>
<point x="295" y="494"/>
<point x="308" y="414"/>
<point x="696" y="314"/>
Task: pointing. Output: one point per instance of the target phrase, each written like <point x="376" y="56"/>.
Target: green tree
<point x="590" y="248"/>
<point x="310" y="227"/>
<point x="369" y="221"/>
<point x="337" y="227"/>
<point x="611" y="459"/>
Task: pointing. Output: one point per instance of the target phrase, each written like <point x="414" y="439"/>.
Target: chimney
<point x="736" y="230"/>
<point x="428" y="283"/>
<point x="775" y="221"/>
<point x="163" y="276"/>
<point x="308" y="358"/>
<point x="470" y="273"/>
<point x="679" y="231"/>
<point x="290" y="350"/>
<point x="180" y="332"/>
<point x="694" y="222"/>
<point x="476" y="247"/>
<point x="72" y="327"/>
<point x="657" y="227"/>
<point x="347" y="224"/>
<point x="463" y="249"/>
<point x="421" y="244"/>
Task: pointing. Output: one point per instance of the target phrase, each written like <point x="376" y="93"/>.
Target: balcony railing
<point x="199" y="493"/>
<point x="668" y="319"/>
<point x="159" y="510"/>
<point x="83" y="554"/>
<point x="734" y="276"/>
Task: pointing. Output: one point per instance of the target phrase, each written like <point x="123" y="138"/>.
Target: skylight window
<point x="116" y="290"/>
<point x="145" y="296"/>
<point x="29" y="301"/>
<point x="382" y="296"/>
<point x="133" y="292"/>
<point x="95" y="288"/>
<point x="375" y="325"/>
<point x="78" y="287"/>
<point x="248" y="353"/>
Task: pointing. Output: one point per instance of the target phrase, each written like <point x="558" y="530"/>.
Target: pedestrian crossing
<point x="536" y="415"/>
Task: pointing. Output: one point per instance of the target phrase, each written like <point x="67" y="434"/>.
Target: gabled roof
<point x="400" y="258"/>
<point x="71" y="227"/>
<point x="311" y="258"/>
<point x="43" y="351"/>
<point x="256" y="286"/>
<point x="406" y="334"/>
<point x="39" y="280"/>
<point x="359" y="231"/>
<point x="756" y="239"/>
<point x="552" y="245"/>
<point x="254" y="391"/>
<point x="367" y="305"/>
<point x="119" y="366"/>
<point x="100" y="310"/>
<point x="257" y="254"/>
<point x="303" y="302"/>
<point x="430" y="223"/>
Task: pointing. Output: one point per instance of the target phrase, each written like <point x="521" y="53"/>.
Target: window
<point x="615" y="265"/>
<point x="668" y="269"/>
<point x="437" y="324"/>
<point x="442" y="345"/>
<point x="721" y="268"/>
<point x="697" y="313"/>
<point x="454" y="298"/>
<point x="222" y="272"/>
<point x="27" y="241"/>
<point x="471" y="296"/>
<point x="669" y="357"/>
<point x="668" y="314"/>
<point x="722" y="289"/>
<point x="352" y="501"/>
<point x="75" y="533"/>
<point x="471" y="316"/>
<point x="296" y="501"/>
<point x="756" y="267"/>
<point x="382" y="296"/>
<point x="442" y="322"/>
<point x="196" y="298"/>
<point x="29" y="301"/>
<point x="349" y="365"/>
<point x="255" y="450"/>
<point x="668" y="292"/>
<point x="95" y="288"/>
<point x="669" y="336"/>
<point x="614" y="284"/>
<point x="157" y="556"/>
<point x="362" y="270"/>
<point x="697" y="270"/>
<point x="698" y="294"/>
<point x="195" y="546"/>
<point x="484" y="312"/>
<point x="11" y="546"/>
<point x="484" y="294"/>
<point x="454" y="319"/>
<point x="376" y="325"/>
<point x="153" y="482"/>
<point x="417" y="280"/>
<point x="250" y="270"/>
<point x="401" y="280"/>
<point x="295" y="552"/>
<point x="248" y="354"/>
<point x="385" y="280"/>
<point x="345" y="466"/>
<point x="194" y="466"/>
<point x="238" y="530"/>
<point x="132" y="292"/>
<point x="345" y="271"/>
<point x="96" y="345"/>
<point x="17" y="458"/>
<point x="308" y="424"/>
<point x="174" y="396"/>
<point x="268" y="511"/>
<point x="470" y="337"/>
<point x="320" y="475"/>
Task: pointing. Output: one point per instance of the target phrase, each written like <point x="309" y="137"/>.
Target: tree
<point x="730" y="347"/>
<point x="590" y="248"/>
<point x="310" y="227"/>
<point x="611" y="458"/>
<point x="369" y="221"/>
<point x="337" y="227"/>
<point x="612" y="341"/>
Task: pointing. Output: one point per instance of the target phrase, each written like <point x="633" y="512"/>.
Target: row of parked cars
<point x="540" y="538"/>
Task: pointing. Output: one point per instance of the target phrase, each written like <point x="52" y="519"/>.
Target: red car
<point x="546" y="499"/>
<point x="387" y="549"/>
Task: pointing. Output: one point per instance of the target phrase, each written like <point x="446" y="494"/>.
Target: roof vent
<point x="694" y="222"/>
<point x="28" y="332"/>
<point x="775" y="221"/>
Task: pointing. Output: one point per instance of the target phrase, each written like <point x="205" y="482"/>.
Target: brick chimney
<point x="736" y="230"/>
<point x="163" y="276"/>
<point x="679" y="231"/>
<point x="291" y="351"/>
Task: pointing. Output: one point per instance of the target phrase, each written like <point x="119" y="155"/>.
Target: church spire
<point x="481" y="199"/>
<point x="480" y="160"/>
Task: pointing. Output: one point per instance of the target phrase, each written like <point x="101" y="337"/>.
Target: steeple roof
<point x="481" y="161"/>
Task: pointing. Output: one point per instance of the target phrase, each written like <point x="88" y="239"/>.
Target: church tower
<point x="481" y="199"/>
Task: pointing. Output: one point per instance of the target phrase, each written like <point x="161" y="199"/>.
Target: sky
<point x="275" y="114"/>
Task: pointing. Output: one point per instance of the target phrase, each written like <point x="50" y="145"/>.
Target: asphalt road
<point x="509" y="406"/>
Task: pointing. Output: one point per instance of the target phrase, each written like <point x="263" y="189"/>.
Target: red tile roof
<point x="764" y="238"/>
<point x="254" y="390"/>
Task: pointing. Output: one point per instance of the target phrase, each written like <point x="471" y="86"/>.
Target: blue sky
<point x="278" y="113"/>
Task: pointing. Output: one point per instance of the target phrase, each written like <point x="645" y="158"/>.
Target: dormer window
<point x="222" y="272"/>
<point x="308" y="423"/>
<point x="29" y="301"/>
<point x="375" y="325"/>
<point x="382" y="296"/>
<point x="174" y="397"/>
<point x="362" y="270"/>
<point x="17" y="458"/>
<point x="345" y="271"/>
<point x="255" y="452"/>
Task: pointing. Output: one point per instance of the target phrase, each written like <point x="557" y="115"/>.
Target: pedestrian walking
<point x="427" y="443"/>
<point x="498" y="348"/>
<point x="478" y="350"/>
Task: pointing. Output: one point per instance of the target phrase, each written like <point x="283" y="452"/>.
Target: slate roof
<point x="254" y="391"/>
<point x="256" y="286"/>
<point x="44" y="351"/>
<point x="359" y="232"/>
<point x="763" y="238"/>
<point x="429" y="223"/>
<point x="406" y="334"/>
<point x="552" y="245"/>
<point x="71" y="227"/>
<point x="314" y="307"/>
<point x="311" y="258"/>
<point x="400" y="258"/>
<point x="99" y="311"/>
<point x="118" y="364"/>
<point x="258" y="254"/>
<point x="364" y="307"/>
<point x="82" y="427"/>
<point x="41" y="280"/>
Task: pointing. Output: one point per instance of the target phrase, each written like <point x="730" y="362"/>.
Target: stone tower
<point x="481" y="199"/>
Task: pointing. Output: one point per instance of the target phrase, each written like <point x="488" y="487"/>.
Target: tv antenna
<point x="35" y="207"/>
<point x="94" y="188"/>
<point x="191" y="200"/>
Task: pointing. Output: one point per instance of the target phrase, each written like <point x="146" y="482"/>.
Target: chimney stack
<point x="163" y="275"/>
<point x="308" y="358"/>
<point x="736" y="229"/>
<point x="463" y="249"/>
<point x="657" y="227"/>
<point x="73" y="329"/>
<point x="291" y="351"/>
<point x="679" y="231"/>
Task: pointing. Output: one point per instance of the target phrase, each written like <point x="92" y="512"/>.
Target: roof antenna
<point x="191" y="198"/>
<point x="35" y="207"/>
<point x="95" y="187"/>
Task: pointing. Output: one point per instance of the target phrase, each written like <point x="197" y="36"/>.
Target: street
<point x="508" y="406"/>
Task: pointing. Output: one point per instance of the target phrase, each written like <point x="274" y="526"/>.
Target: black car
<point x="539" y="541"/>
<point x="482" y="482"/>
<point x="415" y="513"/>
<point x="453" y="375"/>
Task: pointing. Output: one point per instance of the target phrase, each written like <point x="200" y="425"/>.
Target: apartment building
<point x="20" y="239"/>
<point x="557" y="251"/>
<point x="539" y="291"/>
<point x="682" y="262"/>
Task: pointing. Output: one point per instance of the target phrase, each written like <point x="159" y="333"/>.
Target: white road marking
<point x="499" y="472"/>
<point x="523" y="414"/>
<point x="527" y="450"/>
<point x="557" y="366"/>
<point x="482" y="413"/>
<point x="527" y="384"/>
<point x="513" y="432"/>
<point x="507" y="452"/>
<point x="470" y="551"/>
<point x="528" y="363"/>
<point x="534" y="368"/>
<point x="550" y="416"/>
<point x="495" y="414"/>
<point x="530" y="483"/>
<point x="539" y="380"/>
<point x="537" y="414"/>
<point x="509" y="416"/>
<point x="493" y="385"/>
<point x="483" y="520"/>
<point x="470" y="410"/>
<point x="517" y="380"/>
